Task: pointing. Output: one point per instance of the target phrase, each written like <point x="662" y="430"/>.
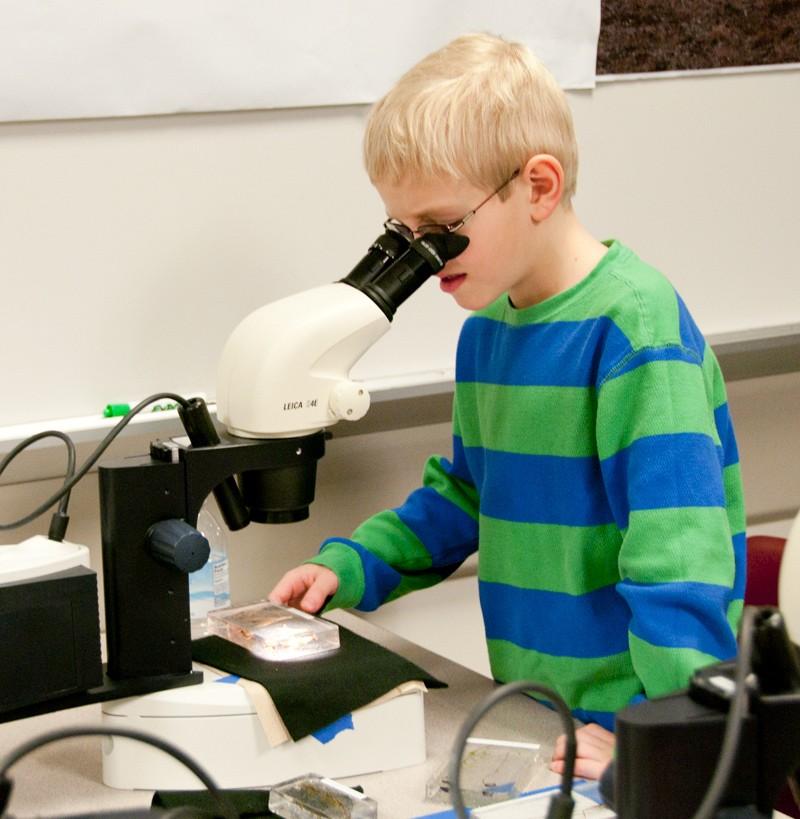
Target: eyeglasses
<point x="433" y="227"/>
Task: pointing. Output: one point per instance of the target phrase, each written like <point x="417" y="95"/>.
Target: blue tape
<point x="326" y="734"/>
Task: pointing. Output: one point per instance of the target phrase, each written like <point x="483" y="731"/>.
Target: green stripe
<point x="343" y="560"/>
<point x="596" y="684"/>
<point x="607" y="291"/>
<point x="529" y="420"/>
<point x="732" y="480"/>
<point x="735" y="614"/>
<point x="665" y="670"/>
<point x="464" y="495"/>
<point x="658" y="319"/>
<point x="715" y="384"/>
<point x="677" y="545"/>
<point x="664" y="394"/>
<point x="549" y="557"/>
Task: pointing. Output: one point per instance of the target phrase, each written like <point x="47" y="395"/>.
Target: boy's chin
<point x="474" y="301"/>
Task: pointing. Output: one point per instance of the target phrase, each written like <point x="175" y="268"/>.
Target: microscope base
<point x="216" y="724"/>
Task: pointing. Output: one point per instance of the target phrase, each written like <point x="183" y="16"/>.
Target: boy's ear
<point x="545" y="179"/>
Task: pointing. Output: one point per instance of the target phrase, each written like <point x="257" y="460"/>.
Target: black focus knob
<point x="177" y="544"/>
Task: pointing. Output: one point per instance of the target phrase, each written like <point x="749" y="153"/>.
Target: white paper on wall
<point x="96" y="58"/>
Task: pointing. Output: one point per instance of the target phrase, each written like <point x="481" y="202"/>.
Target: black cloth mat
<point x="312" y="694"/>
<point x="247" y="803"/>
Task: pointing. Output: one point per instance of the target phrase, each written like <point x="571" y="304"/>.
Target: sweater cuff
<point x="345" y="563"/>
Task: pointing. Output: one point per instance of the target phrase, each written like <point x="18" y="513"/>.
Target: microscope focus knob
<point x="178" y="544"/>
<point x="349" y="401"/>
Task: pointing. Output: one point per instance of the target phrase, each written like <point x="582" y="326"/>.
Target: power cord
<point x="72" y="479"/>
<point x="737" y="713"/>
<point x="60" y="519"/>
<point x="562" y="803"/>
<point x="226" y="808"/>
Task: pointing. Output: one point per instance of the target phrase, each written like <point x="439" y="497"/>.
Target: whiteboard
<point x="130" y="248"/>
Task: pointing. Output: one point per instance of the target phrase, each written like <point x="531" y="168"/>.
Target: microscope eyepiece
<point x="423" y="258"/>
<point x="387" y="248"/>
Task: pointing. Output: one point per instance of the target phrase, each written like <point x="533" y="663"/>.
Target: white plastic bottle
<point x="209" y="587"/>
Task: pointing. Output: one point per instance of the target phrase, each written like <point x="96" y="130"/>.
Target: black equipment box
<point x="49" y="637"/>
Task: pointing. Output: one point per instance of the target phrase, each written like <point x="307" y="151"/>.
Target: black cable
<point x="226" y="808"/>
<point x="60" y="519"/>
<point x="733" y="724"/>
<point x="561" y="804"/>
<point x="92" y="459"/>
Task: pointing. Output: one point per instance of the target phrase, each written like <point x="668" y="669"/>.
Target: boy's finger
<point x="584" y="768"/>
<point x="314" y="599"/>
<point x="560" y="747"/>
<point x="289" y="588"/>
<point x="597" y="734"/>
<point x="590" y="768"/>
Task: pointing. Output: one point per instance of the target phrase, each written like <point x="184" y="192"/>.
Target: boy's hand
<point x="595" y="751"/>
<point x="307" y="587"/>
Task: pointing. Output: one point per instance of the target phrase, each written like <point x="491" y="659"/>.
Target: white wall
<point x="130" y="248"/>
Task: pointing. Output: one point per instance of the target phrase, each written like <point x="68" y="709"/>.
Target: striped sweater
<point x="595" y="470"/>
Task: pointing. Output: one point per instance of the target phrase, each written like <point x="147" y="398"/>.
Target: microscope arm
<point x="284" y="370"/>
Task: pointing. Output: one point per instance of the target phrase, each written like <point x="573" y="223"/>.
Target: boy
<point x="594" y="463"/>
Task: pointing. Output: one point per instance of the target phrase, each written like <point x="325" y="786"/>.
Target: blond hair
<point x="476" y="109"/>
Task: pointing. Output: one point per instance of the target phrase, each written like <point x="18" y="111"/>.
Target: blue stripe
<point x="563" y="625"/>
<point x="664" y="471"/>
<point x="740" y="560"/>
<point x="650" y="354"/>
<point x="691" y="336"/>
<point x="724" y="424"/>
<point x="380" y="579"/>
<point x="604" y="718"/>
<point x="560" y="353"/>
<point x="681" y="615"/>
<point x="539" y="488"/>
<point x="448" y="533"/>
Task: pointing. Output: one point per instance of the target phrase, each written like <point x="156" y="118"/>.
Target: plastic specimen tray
<point x="274" y="632"/>
<point x="311" y="796"/>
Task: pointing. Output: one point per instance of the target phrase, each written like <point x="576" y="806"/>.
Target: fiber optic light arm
<point x="285" y="369"/>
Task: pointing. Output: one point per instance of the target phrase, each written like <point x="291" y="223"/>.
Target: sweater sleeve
<point x="410" y="547"/>
<point x="670" y="467"/>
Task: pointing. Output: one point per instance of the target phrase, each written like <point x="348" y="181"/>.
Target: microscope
<point x="283" y="380"/>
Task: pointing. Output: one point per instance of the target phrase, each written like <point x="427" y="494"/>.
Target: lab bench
<point x="66" y="777"/>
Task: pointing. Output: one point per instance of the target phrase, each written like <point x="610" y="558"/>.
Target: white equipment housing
<point x="235" y="750"/>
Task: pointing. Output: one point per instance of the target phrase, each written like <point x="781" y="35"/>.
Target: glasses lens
<point x="399" y="227"/>
<point x="434" y="228"/>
